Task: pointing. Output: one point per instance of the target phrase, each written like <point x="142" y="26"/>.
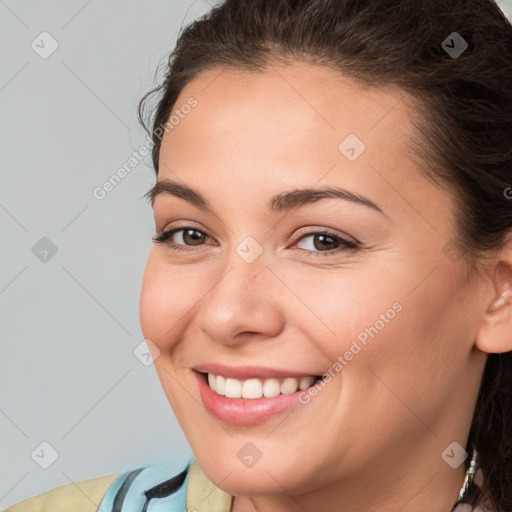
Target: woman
<point x="328" y="299"/>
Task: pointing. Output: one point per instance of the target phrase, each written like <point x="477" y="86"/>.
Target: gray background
<point x="70" y="324"/>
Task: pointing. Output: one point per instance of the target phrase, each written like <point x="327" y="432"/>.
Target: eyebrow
<point x="285" y="201"/>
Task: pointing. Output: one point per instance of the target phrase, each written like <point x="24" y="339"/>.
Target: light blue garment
<point x="160" y="487"/>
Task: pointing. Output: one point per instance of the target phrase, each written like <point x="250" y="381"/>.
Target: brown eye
<point x="190" y="236"/>
<point x="328" y="243"/>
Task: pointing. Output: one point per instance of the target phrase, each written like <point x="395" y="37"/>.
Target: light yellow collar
<point x="203" y="495"/>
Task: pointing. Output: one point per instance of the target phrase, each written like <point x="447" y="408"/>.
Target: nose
<point x="244" y="303"/>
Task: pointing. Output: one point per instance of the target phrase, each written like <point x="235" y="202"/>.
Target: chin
<point x="247" y="483"/>
<point x="237" y="480"/>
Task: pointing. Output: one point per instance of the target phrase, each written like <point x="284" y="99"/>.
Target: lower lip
<point x="244" y="411"/>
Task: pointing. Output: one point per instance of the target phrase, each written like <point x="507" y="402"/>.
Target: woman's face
<point x="259" y="284"/>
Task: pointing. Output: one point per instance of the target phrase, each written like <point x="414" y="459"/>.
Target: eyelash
<point x="163" y="238"/>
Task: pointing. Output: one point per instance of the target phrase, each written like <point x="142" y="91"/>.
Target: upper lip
<point x="249" y="372"/>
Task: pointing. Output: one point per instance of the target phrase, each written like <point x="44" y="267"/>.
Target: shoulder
<point x="82" y="496"/>
<point x="169" y="485"/>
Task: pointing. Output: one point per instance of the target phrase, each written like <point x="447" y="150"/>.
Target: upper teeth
<point x="257" y="388"/>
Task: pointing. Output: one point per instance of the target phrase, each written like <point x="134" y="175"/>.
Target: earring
<point x="470" y="474"/>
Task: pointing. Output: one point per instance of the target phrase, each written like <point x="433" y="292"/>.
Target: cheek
<point x="376" y="322"/>
<point x="170" y="297"/>
<point x="350" y="306"/>
<point x="417" y="358"/>
<point x="159" y="305"/>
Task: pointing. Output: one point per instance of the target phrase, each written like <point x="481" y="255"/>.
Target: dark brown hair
<point x="464" y="137"/>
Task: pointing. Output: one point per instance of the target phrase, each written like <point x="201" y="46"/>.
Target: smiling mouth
<point x="258" y="388"/>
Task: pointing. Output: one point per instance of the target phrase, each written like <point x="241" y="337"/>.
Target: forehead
<point x="287" y="109"/>
<point x="319" y="95"/>
<point x="289" y="125"/>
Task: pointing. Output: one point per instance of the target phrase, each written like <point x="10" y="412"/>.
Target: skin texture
<point x="372" y="439"/>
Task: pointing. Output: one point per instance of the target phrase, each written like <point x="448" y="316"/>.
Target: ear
<point x="495" y="333"/>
